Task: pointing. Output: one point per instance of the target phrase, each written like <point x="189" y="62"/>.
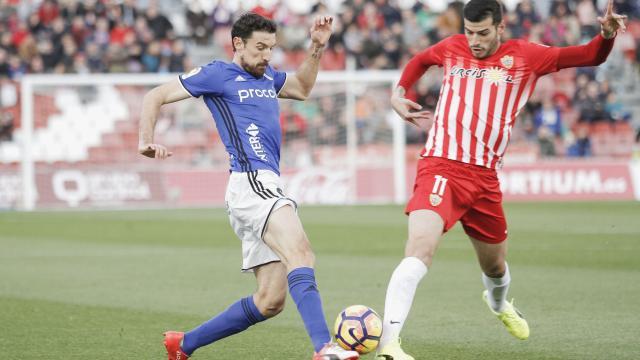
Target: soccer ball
<point x="358" y="328"/>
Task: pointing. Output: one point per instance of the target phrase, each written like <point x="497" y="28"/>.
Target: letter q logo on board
<point x="70" y="186"/>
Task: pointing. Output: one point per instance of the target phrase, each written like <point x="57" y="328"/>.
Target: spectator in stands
<point x="177" y="59"/>
<point x="592" y="104"/>
<point x="158" y="23"/>
<point x="95" y="60"/>
<point x="370" y="20"/>
<point x="17" y="67"/>
<point x="327" y="125"/>
<point x="4" y="63"/>
<point x="79" y="30"/>
<point x="151" y="58"/>
<point x="580" y="144"/>
<point x="100" y="35"/>
<point x="6" y="41"/>
<point x="411" y="29"/>
<point x="448" y="23"/>
<point x="198" y="21"/>
<point x="526" y="17"/>
<point x="48" y="12"/>
<point x="585" y="13"/>
<point x="616" y="109"/>
<point x="292" y="124"/>
<point x="562" y="27"/>
<point x="6" y="126"/>
<point x="221" y="17"/>
<point x="548" y="116"/>
<point x="79" y="36"/>
<point x="390" y="14"/>
<point x="116" y="59"/>
<point x="425" y="17"/>
<point x="546" y="142"/>
<point x="80" y="65"/>
<point x="128" y="12"/>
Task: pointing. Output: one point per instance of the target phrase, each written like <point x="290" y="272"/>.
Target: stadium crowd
<point x="87" y="37"/>
<point x="115" y="36"/>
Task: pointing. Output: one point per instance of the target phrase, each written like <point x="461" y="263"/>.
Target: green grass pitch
<point x="105" y="285"/>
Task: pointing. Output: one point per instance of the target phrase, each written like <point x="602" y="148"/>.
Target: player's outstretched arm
<point x="164" y="94"/>
<point x="597" y="50"/>
<point x="299" y="85"/>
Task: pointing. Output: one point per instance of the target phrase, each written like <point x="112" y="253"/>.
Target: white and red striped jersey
<point x="479" y="98"/>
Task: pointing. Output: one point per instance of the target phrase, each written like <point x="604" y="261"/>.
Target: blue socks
<point x="238" y="317"/>
<point x="304" y="292"/>
<point x="244" y="313"/>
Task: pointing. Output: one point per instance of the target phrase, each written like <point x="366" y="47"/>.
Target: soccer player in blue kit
<point x="242" y="97"/>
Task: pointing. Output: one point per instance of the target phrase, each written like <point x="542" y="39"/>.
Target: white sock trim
<point x="497" y="289"/>
<point x="400" y="293"/>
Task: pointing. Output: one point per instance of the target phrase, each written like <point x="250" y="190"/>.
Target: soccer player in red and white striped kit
<point x="486" y="83"/>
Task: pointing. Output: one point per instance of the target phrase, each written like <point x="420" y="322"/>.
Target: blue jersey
<point x="245" y="109"/>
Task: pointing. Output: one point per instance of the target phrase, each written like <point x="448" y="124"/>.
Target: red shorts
<point x="459" y="191"/>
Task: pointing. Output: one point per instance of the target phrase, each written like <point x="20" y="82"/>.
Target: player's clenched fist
<point x="154" y="151"/>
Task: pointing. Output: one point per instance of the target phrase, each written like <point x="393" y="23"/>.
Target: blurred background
<point x="81" y="282"/>
<point x="73" y="73"/>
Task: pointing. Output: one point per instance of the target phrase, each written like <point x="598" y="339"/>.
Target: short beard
<point x="253" y="70"/>
<point x="494" y="47"/>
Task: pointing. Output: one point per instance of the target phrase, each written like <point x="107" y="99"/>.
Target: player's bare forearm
<point x="299" y="86"/>
<point x="307" y="73"/>
<point x="151" y="104"/>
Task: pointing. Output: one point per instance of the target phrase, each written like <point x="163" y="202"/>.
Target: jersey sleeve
<point x="204" y="80"/>
<point x="591" y="54"/>
<point x="546" y="59"/>
<point x="417" y="65"/>
<point x="543" y="59"/>
<point x="279" y="78"/>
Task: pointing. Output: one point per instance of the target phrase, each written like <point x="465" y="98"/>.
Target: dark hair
<point x="248" y="23"/>
<point x="478" y="10"/>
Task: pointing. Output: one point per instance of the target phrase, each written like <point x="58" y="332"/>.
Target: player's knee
<point x="495" y="270"/>
<point x="307" y="256"/>
<point x="271" y="304"/>
<point x="273" y="308"/>
<point x="422" y="248"/>
<point x="303" y="254"/>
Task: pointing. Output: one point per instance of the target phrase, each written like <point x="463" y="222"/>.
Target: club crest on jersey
<point x="507" y="61"/>
<point x="435" y="199"/>
<point x="494" y="75"/>
<point x="191" y="73"/>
